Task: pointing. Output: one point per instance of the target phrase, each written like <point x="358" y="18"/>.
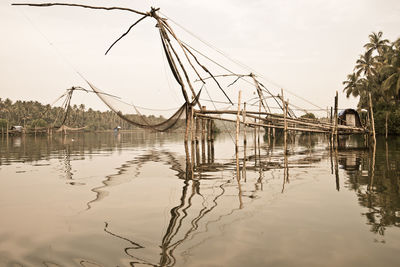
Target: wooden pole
<point x="208" y="130"/>
<point x="284" y="106"/>
<point x="237" y="139"/>
<point x="259" y="119"/>
<point x="192" y="152"/>
<point x="372" y="118"/>
<point x="203" y="136"/>
<point x="244" y="124"/>
<point x="244" y="142"/>
<point x="197" y="129"/>
<point x="285" y="129"/>
<point x="238" y="123"/>
<point x="336" y="119"/>
<point x="386" y="124"/>
<point x="188" y="112"/>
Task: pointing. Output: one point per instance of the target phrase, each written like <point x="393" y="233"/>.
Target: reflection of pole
<point x="387" y="156"/>
<point x="337" y="170"/>
<point x="285" y="171"/>
<point x="372" y="167"/>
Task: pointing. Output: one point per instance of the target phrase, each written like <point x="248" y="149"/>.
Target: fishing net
<point x="131" y="113"/>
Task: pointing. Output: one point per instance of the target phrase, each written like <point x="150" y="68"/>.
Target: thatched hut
<point x="350" y="117"/>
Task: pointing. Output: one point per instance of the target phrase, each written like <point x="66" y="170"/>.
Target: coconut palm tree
<point x="366" y="65"/>
<point x="376" y="43"/>
<point x="391" y="84"/>
<point x="351" y="85"/>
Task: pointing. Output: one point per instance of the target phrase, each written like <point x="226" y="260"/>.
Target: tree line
<point x="31" y="114"/>
<point x="377" y="71"/>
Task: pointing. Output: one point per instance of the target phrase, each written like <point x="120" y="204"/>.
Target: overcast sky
<point x="307" y="47"/>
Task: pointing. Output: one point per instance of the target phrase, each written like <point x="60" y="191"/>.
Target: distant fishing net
<point x="131" y="114"/>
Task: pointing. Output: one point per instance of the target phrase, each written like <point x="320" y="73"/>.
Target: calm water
<point x="134" y="200"/>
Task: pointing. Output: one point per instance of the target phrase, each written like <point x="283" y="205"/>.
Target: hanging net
<point x="131" y="114"/>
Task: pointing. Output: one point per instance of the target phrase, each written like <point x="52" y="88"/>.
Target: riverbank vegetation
<point x="377" y="71"/>
<point x="31" y="114"/>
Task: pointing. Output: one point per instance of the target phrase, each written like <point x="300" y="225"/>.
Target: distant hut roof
<point x="349" y="117"/>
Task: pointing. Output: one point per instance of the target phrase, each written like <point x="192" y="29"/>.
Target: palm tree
<point x="391" y="84"/>
<point x="365" y="65"/>
<point x="376" y="43"/>
<point x="351" y="85"/>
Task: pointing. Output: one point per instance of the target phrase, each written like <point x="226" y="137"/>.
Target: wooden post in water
<point x="188" y="113"/>
<point x="259" y="128"/>
<point x="331" y="122"/>
<point x="192" y="152"/>
<point x="238" y="123"/>
<point x="244" y="125"/>
<point x="336" y="137"/>
<point x="244" y="142"/>
<point x="197" y="141"/>
<point x="197" y="130"/>
<point x="212" y="141"/>
<point x="237" y="138"/>
<point x="372" y="118"/>
<point x="203" y="137"/>
<point x="284" y="106"/>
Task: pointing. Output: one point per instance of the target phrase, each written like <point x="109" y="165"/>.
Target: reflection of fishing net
<point x="132" y="115"/>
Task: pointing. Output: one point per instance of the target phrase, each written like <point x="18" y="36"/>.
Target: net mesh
<point x="131" y="113"/>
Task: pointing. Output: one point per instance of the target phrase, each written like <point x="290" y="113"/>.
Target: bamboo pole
<point x="188" y="112"/>
<point x="386" y="124"/>
<point x="258" y="128"/>
<point x="372" y="118"/>
<point x="277" y="117"/>
<point x="238" y="123"/>
<point x="192" y="152"/>
<point x="203" y="136"/>
<point x="197" y="130"/>
<point x="255" y="124"/>
<point x="336" y="119"/>
<point x="237" y="144"/>
<point x="286" y="105"/>
<point x="244" y="142"/>
<point x="244" y="124"/>
<point x="255" y="141"/>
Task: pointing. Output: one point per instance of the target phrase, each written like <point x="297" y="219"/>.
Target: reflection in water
<point x="187" y="221"/>
<point x="374" y="176"/>
<point x="216" y="193"/>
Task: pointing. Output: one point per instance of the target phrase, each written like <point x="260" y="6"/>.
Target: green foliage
<point x="3" y="124"/>
<point x="33" y="113"/>
<point x="308" y="115"/>
<point x="38" y="123"/>
<point x="377" y="71"/>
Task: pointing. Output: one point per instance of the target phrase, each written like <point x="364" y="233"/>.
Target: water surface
<point x="135" y="199"/>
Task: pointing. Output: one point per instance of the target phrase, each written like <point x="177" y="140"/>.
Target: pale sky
<point x="307" y="47"/>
